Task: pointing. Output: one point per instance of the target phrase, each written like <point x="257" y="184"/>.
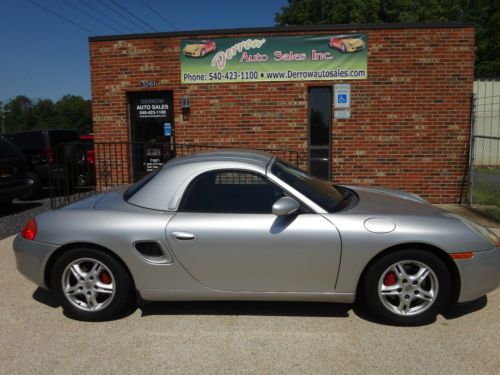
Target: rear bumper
<point x="479" y="275"/>
<point x="31" y="259"/>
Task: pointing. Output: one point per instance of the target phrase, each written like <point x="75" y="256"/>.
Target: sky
<point x="43" y="55"/>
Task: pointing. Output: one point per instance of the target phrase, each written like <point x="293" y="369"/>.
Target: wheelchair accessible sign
<point x="342" y="101"/>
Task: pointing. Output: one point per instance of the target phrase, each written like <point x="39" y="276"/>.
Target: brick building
<point x="405" y="124"/>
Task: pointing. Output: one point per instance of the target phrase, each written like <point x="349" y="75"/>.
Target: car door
<point x="227" y="238"/>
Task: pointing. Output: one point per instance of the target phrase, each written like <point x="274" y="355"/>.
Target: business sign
<point x="274" y="58"/>
<point x="150" y="107"/>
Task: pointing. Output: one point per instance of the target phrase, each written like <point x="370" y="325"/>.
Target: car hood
<point x="193" y="47"/>
<point x="380" y="201"/>
<point x="355" y="42"/>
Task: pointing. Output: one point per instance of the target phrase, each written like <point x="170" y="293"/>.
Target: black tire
<point x="373" y="279"/>
<point x="123" y="285"/>
<point x="36" y="187"/>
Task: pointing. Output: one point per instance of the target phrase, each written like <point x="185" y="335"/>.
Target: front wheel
<point x="407" y="287"/>
<point x="91" y="284"/>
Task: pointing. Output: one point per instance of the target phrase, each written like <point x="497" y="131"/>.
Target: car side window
<point x="230" y="191"/>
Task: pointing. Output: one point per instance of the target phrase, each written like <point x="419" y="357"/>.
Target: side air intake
<point x="152" y="252"/>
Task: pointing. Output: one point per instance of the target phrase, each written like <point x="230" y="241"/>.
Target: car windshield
<point x="321" y="192"/>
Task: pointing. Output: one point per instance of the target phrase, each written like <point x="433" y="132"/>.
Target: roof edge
<point x="284" y="29"/>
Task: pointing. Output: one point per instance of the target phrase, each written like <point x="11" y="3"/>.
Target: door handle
<point x="183" y="236"/>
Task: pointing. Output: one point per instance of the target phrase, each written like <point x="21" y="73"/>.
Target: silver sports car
<point x="242" y="225"/>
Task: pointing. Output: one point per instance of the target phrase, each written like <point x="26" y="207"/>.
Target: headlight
<point x="482" y="231"/>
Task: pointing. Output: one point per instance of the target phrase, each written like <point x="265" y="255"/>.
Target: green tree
<point x="43" y="112"/>
<point x="20" y="115"/>
<point x="70" y="112"/>
<point x="76" y="113"/>
<point x="485" y="14"/>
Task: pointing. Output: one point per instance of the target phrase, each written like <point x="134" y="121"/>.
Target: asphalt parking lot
<point x="246" y="337"/>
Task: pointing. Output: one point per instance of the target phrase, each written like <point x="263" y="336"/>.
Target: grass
<point x="495" y="171"/>
<point x="485" y="197"/>
<point x="486" y="191"/>
<point x="490" y="212"/>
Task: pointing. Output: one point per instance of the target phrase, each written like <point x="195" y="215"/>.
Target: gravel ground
<point x="14" y="217"/>
<point x="236" y="337"/>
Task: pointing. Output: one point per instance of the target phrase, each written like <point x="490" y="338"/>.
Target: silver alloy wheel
<point x="88" y="284"/>
<point x="408" y="287"/>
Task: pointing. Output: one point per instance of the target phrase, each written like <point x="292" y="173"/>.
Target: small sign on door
<point x="167" y="129"/>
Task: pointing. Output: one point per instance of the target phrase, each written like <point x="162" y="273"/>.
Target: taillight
<point x="90" y="157"/>
<point x="29" y="230"/>
<point x="50" y="155"/>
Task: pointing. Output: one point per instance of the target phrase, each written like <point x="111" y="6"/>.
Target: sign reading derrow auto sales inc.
<point x="284" y="58"/>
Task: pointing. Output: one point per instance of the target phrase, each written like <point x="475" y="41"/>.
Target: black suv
<point x="14" y="180"/>
<point x="39" y="146"/>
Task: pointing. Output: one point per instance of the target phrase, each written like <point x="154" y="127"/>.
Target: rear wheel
<point x="407" y="287"/>
<point x="343" y="48"/>
<point x="91" y="284"/>
<point x="203" y="52"/>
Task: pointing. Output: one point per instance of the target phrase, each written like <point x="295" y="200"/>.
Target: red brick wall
<point x="410" y="119"/>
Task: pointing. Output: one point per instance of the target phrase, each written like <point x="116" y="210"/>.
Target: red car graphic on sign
<point x="347" y="43"/>
<point x="199" y="48"/>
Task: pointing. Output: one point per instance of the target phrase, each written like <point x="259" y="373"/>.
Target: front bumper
<point x="192" y="53"/>
<point x="31" y="258"/>
<point x="354" y="48"/>
<point x="479" y="275"/>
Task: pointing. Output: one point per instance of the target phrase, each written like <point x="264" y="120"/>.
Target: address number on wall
<point x="148" y="83"/>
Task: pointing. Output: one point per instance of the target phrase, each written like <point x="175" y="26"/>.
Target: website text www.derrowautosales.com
<point x="273" y="76"/>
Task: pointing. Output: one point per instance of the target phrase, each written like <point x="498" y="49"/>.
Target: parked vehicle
<point x="39" y="146"/>
<point x="240" y="225"/>
<point x="86" y="162"/>
<point x="14" y="179"/>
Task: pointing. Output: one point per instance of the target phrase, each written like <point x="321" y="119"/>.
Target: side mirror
<point x="285" y="206"/>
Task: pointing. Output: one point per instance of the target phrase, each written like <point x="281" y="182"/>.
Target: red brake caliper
<point x="105" y="278"/>
<point x="390" y="279"/>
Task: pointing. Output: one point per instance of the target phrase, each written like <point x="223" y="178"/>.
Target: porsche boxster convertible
<point x="200" y="48"/>
<point x="243" y="225"/>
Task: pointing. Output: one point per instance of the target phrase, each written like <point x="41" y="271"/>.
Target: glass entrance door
<point x="320" y="131"/>
<point x="151" y="130"/>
